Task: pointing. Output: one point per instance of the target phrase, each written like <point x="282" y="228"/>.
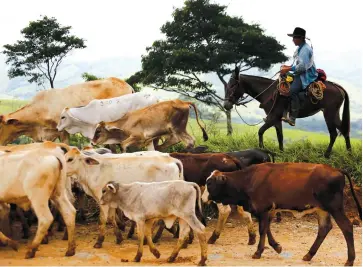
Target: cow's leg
<point x="68" y="213"/>
<point x="150" y="146"/>
<point x="263" y="225"/>
<point x="325" y="226"/>
<point x="117" y="231"/>
<point x="102" y="226"/>
<point x="158" y="234"/>
<point x="223" y="213"/>
<point x="120" y="220"/>
<point x="148" y="234"/>
<point x="199" y="229"/>
<point x="347" y="228"/>
<point x="132" y="229"/>
<point x="82" y="199"/>
<point x="183" y="235"/>
<point x="250" y="225"/>
<point x="271" y="240"/>
<point x="280" y="135"/>
<point x="112" y="147"/>
<point x="45" y="219"/>
<point x="329" y="119"/>
<point x="131" y="140"/>
<point x="7" y="241"/>
<point x="187" y="139"/>
<point x="172" y="140"/>
<point x="269" y="122"/>
<point x="141" y="235"/>
<point x="24" y="222"/>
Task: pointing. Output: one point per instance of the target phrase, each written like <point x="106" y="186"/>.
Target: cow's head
<point x="214" y="187"/>
<point x="10" y="129"/>
<point x="78" y="163"/>
<point x="109" y="194"/>
<point x="105" y="134"/>
<point x="65" y="120"/>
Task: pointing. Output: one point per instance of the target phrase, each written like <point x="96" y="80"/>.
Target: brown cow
<point x="39" y="118"/>
<point x="141" y="127"/>
<point x="301" y="188"/>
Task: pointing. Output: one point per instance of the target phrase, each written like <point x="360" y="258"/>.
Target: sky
<point x="125" y="28"/>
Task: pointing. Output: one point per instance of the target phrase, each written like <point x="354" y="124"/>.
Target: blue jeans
<point x="295" y="89"/>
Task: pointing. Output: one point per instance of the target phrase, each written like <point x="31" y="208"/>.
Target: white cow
<point x="94" y="171"/>
<point x="31" y="178"/>
<point x="84" y="119"/>
<point x="144" y="203"/>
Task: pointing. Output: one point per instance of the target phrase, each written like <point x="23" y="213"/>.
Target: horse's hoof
<point x="256" y="256"/>
<point x="307" y="257"/>
<point x="98" y="245"/>
<point x="277" y="248"/>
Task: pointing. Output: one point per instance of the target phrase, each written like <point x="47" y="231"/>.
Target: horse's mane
<point x="256" y="77"/>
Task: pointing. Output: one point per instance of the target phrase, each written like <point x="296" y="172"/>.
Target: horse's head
<point x="234" y="90"/>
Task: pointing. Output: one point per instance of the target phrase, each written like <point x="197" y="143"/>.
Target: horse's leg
<point x="269" y="122"/>
<point x="338" y="124"/>
<point x="280" y="136"/>
<point x="330" y="123"/>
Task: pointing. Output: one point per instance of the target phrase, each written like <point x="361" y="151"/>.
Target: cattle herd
<point x="152" y="189"/>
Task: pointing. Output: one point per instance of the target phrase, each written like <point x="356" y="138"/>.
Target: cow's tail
<point x="353" y="193"/>
<point x="205" y="136"/>
<point x="66" y="181"/>
<point x="198" y="205"/>
<point x="181" y="169"/>
<point x="346" y="116"/>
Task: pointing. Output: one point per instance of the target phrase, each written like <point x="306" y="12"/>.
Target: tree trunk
<point x="51" y="83"/>
<point x="229" y="122"/>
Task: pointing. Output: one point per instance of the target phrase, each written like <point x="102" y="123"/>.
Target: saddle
<point x="315" y="90"/>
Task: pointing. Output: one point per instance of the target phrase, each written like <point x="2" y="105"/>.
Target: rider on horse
<point x="304" y="72"/>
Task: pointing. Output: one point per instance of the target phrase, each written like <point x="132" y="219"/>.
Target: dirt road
<point x="295" y="236"/>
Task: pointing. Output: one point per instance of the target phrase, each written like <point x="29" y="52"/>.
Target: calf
<point x="32" y="178"/>
<point x="197" y="168"/>
<point x="141" y="127"/>
<point x="84" y="119"/>
<point x="146" y="202"/>
<point x="301" y="188"/>
<point x="93" y="172"/>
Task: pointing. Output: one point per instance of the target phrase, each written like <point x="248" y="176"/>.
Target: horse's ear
<point x="236" y="72"/>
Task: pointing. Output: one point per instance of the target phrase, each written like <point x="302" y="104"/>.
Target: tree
<point x="45" y="44"/>
<point x="203" y="39"/>
<point x="87" y="77"/>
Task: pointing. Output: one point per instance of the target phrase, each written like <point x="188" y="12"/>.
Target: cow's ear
<point x="221" y="179"/>
<point x="91" y="161"/>
<point x="111" y="187"/>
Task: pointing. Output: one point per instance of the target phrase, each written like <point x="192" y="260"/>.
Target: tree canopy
<point x="45" y="44"/>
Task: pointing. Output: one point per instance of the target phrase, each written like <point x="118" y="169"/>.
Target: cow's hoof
<point x="98" y="245"/>
<point x="256" y="255"/>
<point x="156" y="253"/>
<point x="137" y="258"/>
<point x="202" y="263"/>
<point x="349" y="263"/>
<point x="30" y="253"/>
<point x="252" y="240"/>
<point x="277" y="248"/>
<point x="70" y="252"/>
<point x="307" y="257"/>
<point x="124" y="260"/>
<point x="119" y="240"/>
<point x="171" y="259"/>
<point x="14" y="245"/>
<point x="213" y="238"/>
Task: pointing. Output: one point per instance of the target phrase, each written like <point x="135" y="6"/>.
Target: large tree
<point x="203" y="39"/>
<point x="45" y="44"/>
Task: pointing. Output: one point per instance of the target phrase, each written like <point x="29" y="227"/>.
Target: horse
<point x="265" y="91"/>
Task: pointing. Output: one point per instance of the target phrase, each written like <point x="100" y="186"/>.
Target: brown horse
<point x="264" y="91"/>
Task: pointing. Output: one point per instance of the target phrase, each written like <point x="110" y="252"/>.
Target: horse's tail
<point x="346" y="115"/>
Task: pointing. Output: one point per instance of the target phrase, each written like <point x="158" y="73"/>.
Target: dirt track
<point x="295" y="236"/>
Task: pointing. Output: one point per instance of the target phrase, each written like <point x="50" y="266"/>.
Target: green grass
<point x="9" y="105"/>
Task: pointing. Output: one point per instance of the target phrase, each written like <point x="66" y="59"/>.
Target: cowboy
<point x="304" y="72"/>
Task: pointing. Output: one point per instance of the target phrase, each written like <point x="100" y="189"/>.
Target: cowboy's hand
<point x="284" y="69"/>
